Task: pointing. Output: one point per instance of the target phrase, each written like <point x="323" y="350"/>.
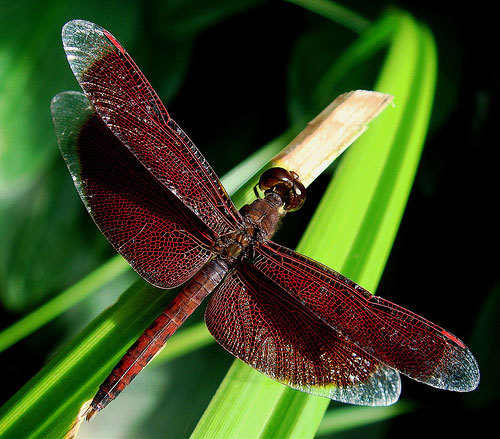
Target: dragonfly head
<point x="286" y="184"/>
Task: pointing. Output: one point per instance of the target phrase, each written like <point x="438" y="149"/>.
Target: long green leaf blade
<point x="356" y="222"/>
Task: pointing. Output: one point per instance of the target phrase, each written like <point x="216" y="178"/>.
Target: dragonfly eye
<point x="296" y="197"/>
<point x="286" y="184"/>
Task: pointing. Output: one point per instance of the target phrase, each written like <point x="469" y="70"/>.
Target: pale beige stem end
<point x="330" y="133"/>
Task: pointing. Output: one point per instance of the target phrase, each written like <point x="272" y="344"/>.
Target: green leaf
<point x="44" y="407"/>
<point x="352" y="230"/>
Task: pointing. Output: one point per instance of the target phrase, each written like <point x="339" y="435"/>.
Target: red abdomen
<point x="153" y="340"/>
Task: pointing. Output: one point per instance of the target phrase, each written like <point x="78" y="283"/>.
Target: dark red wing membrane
<point x="132" y="110"/>
<point x="393" y="335"/>
<point x="259" y="323"/>
<point x="160" y="238"/>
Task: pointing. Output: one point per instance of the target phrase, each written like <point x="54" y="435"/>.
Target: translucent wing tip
<point x="84" y="42"/>
<point x="462" y="373"/>
<point x="456" y="371"/>
<point x="382" y="389"/>
<point x="69" y="109"/>
<point x="76" y="26"/>
<point x="68" y="99"/>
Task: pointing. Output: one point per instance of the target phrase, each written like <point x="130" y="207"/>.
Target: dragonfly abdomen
<point x="153" y="340"/>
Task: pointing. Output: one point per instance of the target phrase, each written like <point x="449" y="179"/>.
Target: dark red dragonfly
<point x="159" y="203"/>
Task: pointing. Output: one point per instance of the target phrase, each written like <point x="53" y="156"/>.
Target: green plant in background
<point x="352" y="231"/>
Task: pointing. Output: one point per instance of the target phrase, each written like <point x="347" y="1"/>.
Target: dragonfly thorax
<point x="260" y="220"/>
<point x="283" y="193"/>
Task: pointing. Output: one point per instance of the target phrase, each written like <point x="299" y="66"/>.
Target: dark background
<point x="225" y="74"/>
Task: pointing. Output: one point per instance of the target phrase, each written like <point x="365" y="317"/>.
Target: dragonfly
<point x="161" y="206"/>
